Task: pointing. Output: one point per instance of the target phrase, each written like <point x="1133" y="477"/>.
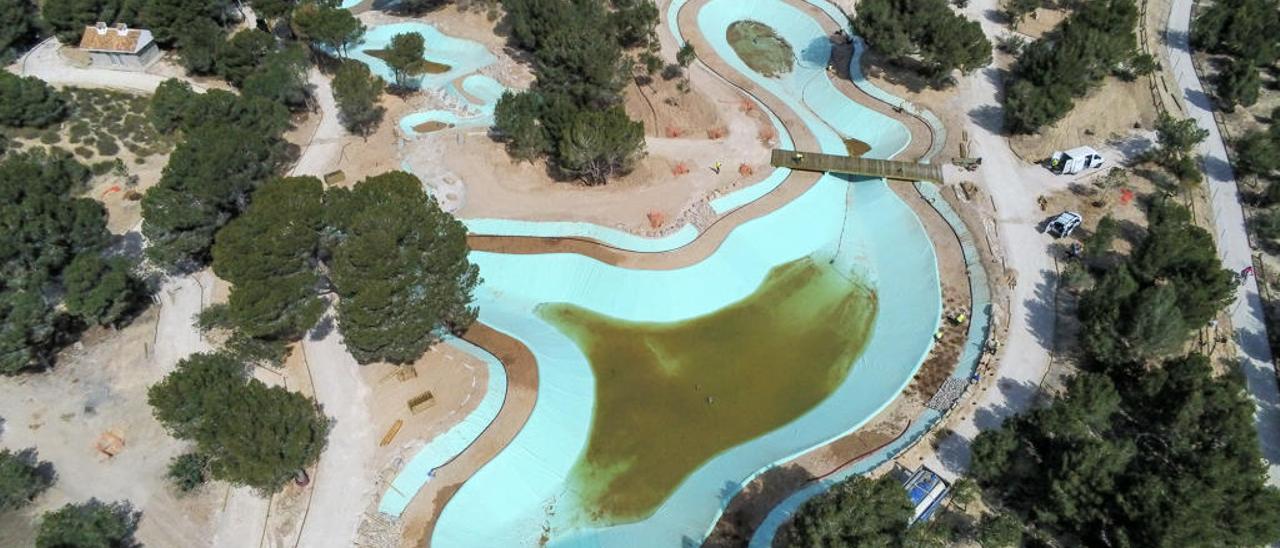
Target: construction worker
<point x="799" y="157"/>
<point x="716" y="168"/>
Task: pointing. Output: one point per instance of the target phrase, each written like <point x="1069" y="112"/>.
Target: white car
<point x="1064" y="224"/>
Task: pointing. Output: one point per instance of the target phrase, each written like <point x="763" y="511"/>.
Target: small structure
<point x="119" y="47"/>
<point x="1075" y="160"/>
<point x="927" y="490"/>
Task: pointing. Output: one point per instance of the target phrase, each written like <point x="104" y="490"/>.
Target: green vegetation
<point x="1258" y="152"/>
<point x="281" y="78"/>
<point x="1001" y="530"/>
<point x="761" y="48"/>
<point x="29" y="102"/>
<point x="327" y="27"/>
<point x="578" y="47"/>
<point x="49" y="258"/>
<point x="240" y="56"/>
<point x="1176" y="140"/>
<point x="404" y="56"/>
<point x="1147" y="307"/>
<point x="101" y="291"/>
<point x="268" y="256"/>
<point x="19" y="26"/>
<point x="189" y="471"/>
<point x="357" y="92"/>
<point x="206" y="182"/>
<point x="68" y="18"/>
<point x="1016" y="10"/>
<point x="231" y="144"/>
<point x="21" y="478"/>
<point x="1238" y="84"/>
<point x="856" y="512"/>
<point x="251" y="434"/>
<point x="1147" y="447"/>
<point x="1099" y="463"/>
<point x="670" y="396"/>
<point x="924" y="32"/>
<point x="168" y="20"/>
<point x="399" y="265"/>
<point x="93" y="524"/>
<point x="1248" y="30"/>
<point x="1097" y="39"/>
<point x="397" y="261"/>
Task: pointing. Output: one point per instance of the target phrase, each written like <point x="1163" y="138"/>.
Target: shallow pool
<point x="526" y="495"/>
<point x="462" y="56"/>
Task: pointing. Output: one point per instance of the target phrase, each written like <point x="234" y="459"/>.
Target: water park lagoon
<point x="660" y="393"/>
<point x="669" y="396"/>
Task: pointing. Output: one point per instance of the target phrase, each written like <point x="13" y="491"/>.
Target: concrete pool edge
<point x="767" y="467"/>
<point x="448" y="445"/>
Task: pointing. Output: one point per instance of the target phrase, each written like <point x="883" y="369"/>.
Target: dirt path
<point x="1014" y="186"/>
<point x="343" y="481"/>
<point x="322" y="153"/>
<point x="1233" y="243"/>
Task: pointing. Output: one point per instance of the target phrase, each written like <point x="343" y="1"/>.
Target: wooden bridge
<point x="832" y="163"/>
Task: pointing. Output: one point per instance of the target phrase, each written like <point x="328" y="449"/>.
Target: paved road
<point x="1233" y="243"/>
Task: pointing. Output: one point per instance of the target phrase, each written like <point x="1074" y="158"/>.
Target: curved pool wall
<point x="462" y="56"/>
<point x="569" y="229"/>
<point x="504" y="504"/>
<point x="966" y="367"/>
<point x="444" y="448"/>
<point x="829" y="114"/>
<point x="479" y="93"/>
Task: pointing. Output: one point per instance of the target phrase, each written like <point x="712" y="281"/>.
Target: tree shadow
<point x="1017" y="395"/>
<point x="1177" y="39"/>
<point x="1199" y="98"/>
<point x="989" y="117"/>
<point x="322" y="328"/>
<point x="818" y="52"/>
<point x="1216" y="168"/>
<point x="752" y="504"/>
<point x="1132" y="146"/>
<point x="953" y="452"/>
<point x="1041" y="311"/>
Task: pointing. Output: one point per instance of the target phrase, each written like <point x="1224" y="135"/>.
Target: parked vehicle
<point x="1075" y="160"/>
<point x="1064" y="224"/>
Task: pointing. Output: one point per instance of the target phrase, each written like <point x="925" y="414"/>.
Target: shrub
<point x="107" y="146"/>
<point x="29" y="102"/>
<point x="189" y="471"/>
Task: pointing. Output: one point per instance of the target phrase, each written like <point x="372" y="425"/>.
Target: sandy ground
<point x="498" y="187"/>
<point x="99" y="386"/>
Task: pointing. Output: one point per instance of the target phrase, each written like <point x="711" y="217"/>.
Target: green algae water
<point x="670" y="396"/>
<point x="761" y="48"/>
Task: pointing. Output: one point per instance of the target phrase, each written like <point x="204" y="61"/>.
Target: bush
<point x="90" y="525"/>
<point x="1096" y="40"/>
<point x="107" y="146"/>
<point x="29" y="102"/>
<point x="21" y="478"/>
<point x="189" y="471"/>
<point x="924" y="29"/>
